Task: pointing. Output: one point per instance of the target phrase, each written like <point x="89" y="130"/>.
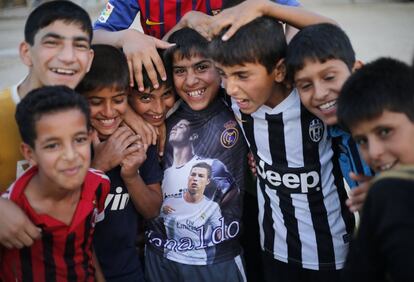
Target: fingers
<point x="357" y="197"/>
<point x="162" y="136"/>
<point x="137" y="71"/>
<point x="153" y="64"/>
<point x="230" y="32"/>
<point x="95" y="139"/>
<point x="359" y="177"/>
<point x="131" y="72"/>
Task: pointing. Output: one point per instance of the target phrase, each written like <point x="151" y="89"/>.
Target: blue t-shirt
<point x="157" y="17"/>
<point x="347" y="153"/>
<point x="115" y="236"/>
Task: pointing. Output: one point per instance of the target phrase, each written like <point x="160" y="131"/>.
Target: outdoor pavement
<point x="376" y="28"/>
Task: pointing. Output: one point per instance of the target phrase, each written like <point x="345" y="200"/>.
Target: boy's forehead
<point x="314" y="65"/>
<point x="50" y="124"/>
<point x="194" y="58"/>
<point x="64" y="29"/>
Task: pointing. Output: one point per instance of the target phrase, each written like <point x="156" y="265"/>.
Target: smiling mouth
<point x="386" y="166"/>
<point x="328" y="106"/>
<point x="196" y="93"/>
<point x="63" y="71"/>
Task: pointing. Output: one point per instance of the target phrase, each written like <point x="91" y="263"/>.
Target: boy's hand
<point x="16" y="230"/>
<point x="252" y="163"/>
<point x="162" y="136"/>
<point x="235" y="17"/>
<point x="142" y="128"/>
<point x="198" y="21"/>
<point x="110" y="153"/>
<point x="358" y="194"/>
<point x="141" y="51"/>
<point x="132" y="162"/>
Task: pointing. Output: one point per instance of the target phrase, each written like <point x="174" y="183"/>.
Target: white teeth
<point x="328" y="105"/>
<point x="157" y="117"/>
<point x="386" y="166"/>
<point x="196" y="93"/>
<point x="107" y="121"/>
<point x="63" y="71"/>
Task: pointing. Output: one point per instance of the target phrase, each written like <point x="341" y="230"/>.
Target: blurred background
<point x="376" y="28"/>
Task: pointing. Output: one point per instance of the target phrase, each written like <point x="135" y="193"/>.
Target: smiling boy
<point x="56" y="49"/>
<point x="376" y="104"/>
<point x="59" y="193"/>
<point x="319" y="60"/>
<point x="202" y="129"/>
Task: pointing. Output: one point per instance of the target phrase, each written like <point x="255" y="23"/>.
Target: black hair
<point x="109" y="69"/>
<point x="147" y="81"/>
<point x="319" y="43"/>
<point x="260" y="41"/>
<point x="49" y="12"/>
<point x="384" y="84"/>
<point x="203" y="165"/>
<point x="188" y="43"/>
<point x="47" y="100"/>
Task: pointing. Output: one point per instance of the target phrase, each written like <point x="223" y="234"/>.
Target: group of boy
<point x="302" y="156"/>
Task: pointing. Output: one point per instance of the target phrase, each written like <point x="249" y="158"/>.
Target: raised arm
<point x="247" y="11"/>
<point x="140" y="50"/>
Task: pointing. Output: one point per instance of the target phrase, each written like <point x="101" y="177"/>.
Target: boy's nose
<point x="230" y="87"/>
<point x="67" y="53"/>
<point x="321" y="91"/>
<point x="375" y="149"/>
<point x="191" y="79"/>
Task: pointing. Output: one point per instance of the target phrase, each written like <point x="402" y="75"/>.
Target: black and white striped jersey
<point x="302" y="214"/>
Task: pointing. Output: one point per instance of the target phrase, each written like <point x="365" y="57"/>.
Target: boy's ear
<point x="280" y="71"/>
<point x="28" y="153"/>
<point x="357" y="65"/>
<point x="24" y="52"/>
<point x="91" y="55"/>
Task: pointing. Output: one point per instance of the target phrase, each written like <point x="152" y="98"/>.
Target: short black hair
<point x="384" y="84"/>
<point x="49" y="12"/>
<point x="319" y="43"/>
<point x="109" y="69"/>
<point x="203" y="165"/>
<point x="147" y="81"/>
<point x="260" y="41"/>
<point x="188" y="43"/>
<point x="46" y="100"/>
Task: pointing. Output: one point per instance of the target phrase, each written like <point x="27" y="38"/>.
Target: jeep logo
<point x="301" y="182"/>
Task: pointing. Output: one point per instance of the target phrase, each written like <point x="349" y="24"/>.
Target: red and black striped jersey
<point x="64" y="252"/>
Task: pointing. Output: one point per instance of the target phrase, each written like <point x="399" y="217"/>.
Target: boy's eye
<point x="81" y="139"/>
<point x="95" y="101"/>
<point x="145" y="98"/>
<point x="83" y="46"/>
<point x="119" y="100"/>
<point x="329" y="77"/>
<point x="179" y="71"/>
<point x="242" y="75"/>
<point x="360" y="141"/>
<point x="384" y="132"/>
<point x="50" y="43"/>
<point x="51" y="146"/>
<point x="202" y="67"/>
<point x="167" y="94"/>
<point x="304" y="86"/>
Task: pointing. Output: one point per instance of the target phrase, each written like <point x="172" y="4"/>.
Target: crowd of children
<point x="83" y="183"/>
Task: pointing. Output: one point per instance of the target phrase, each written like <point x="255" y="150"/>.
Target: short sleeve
<point x="117" y="15"/>
<point x="288" y="2"/>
